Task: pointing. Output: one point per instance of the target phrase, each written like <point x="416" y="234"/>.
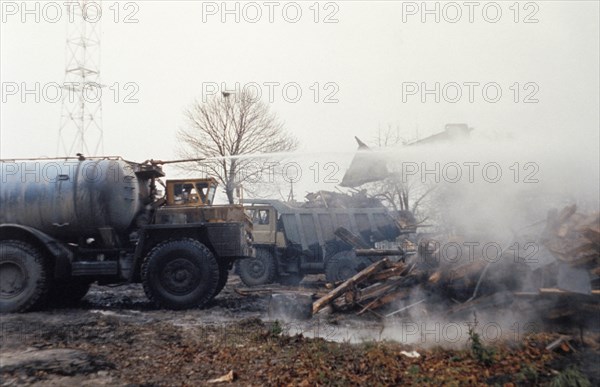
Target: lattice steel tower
<point x="81" y="111"/>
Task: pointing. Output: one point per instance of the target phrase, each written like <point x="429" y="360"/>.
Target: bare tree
<point x="229" y="130"/>
<point x="389" y="137"/>
<point x="399" y="192"/>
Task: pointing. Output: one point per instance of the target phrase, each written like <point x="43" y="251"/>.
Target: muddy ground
<point x="116" y="337"/>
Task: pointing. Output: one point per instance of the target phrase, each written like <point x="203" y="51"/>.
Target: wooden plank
<point x="349" y="284"/>
<point x="563" y="292"/>
<point x="371" y="311"/>
<point x="379" y="252"/>
<point x="435" y="277"/>
<point x="466" y="270"/>
<point x="397" y="270"/>
<point x="385" y="299"/>
<point x="559" y="343"/>
<point x="377" y="290"/>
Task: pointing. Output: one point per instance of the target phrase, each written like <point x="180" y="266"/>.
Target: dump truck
<point x="293" y="241"/>
<point x="67" y="223"/>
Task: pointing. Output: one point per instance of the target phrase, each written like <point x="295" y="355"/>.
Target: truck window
<point x="259" y="216"/>
<point x="263" y="216"/>
<point x="185" y="193"/>
<point x="211" y="194"/>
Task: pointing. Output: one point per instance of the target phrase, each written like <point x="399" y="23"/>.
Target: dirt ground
<point x="116" y="337"/>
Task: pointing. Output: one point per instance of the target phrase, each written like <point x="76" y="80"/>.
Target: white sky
<point x="368" y="54"/>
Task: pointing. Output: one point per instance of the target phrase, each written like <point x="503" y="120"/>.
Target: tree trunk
<point x="230" y="196"/>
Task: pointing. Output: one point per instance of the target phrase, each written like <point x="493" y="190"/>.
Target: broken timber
<point x="572" y="240"/>
<point x="349" y="284"/>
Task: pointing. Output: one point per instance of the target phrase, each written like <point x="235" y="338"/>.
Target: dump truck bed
<point x="311" y="227"/>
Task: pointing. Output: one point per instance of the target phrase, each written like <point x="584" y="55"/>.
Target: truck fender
<point x="60" y="255"/>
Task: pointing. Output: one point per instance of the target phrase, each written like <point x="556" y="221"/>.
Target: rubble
<point x="330" y="199"/>
<point x="574" y="239"/>
<point x="562" y="283"/>
<point x="371" y="288"/>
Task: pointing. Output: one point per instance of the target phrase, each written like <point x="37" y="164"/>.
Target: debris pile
<point x="379" y="284"/>
<point x="574" y="239"/>
<point x="562" y="280"/>
<point x="568" y="289"/>
<point x="330" y="199"/>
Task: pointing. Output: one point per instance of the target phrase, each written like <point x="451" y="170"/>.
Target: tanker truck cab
<point x="103" y="220"/>
<point x="191" y="192"/>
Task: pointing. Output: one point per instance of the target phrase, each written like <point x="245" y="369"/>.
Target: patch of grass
<point x="414" y="370"/>
<point x="528" y="375"/>
<point x="481" y="353"/>
<point x="321" y="345"/>
<point x="423" y="379"/>
<point x="368" y="344"/>
<point x="570" y="377"/>
<point x="276" y="329"/>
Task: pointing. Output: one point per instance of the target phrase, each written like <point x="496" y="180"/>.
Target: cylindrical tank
<point x="71" y="198"/>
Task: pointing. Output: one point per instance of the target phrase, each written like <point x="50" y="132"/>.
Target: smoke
<point x="490" y="191"/>
<point x="498" y="183"/>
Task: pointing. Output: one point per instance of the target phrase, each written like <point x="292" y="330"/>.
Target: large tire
<point x="223" y="276"/>
<point x="180" y="274"/>
<point x="68" y="292"/>
<point x="258" y="270"/>
<point x="333" y="247"/>
<point x="344" y="265"/>
<point x="24" y="279"/>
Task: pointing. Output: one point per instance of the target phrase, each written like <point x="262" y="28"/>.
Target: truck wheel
<point x="69" y="292"/>
<point x="223" y="276"/>
<point x="180" y="274"/>
<point x="258" y="270"/>
<point x="344" y="265"/>
<point x="23" y="277"/>
<point x="333" y="247"/>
